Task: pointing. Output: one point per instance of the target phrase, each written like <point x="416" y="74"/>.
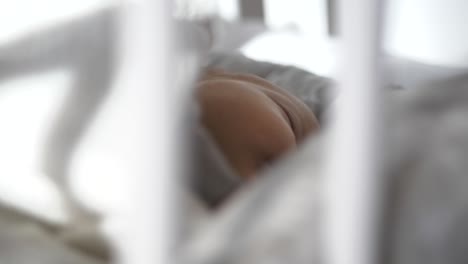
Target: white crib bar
<point x="353" y="182"/>
<point x="145" y="67"/>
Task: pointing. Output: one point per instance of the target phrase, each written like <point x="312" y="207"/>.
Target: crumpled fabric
<point x="25" y="239"/>
<point x="428" y="174"/>
<point x="277" y="219"/>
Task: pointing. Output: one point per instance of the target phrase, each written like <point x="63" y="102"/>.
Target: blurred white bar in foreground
<point x="144" y="75"/>
<point x="353" y="180"/>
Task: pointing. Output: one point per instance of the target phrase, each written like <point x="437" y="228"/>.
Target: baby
<point x="253" y="121"/>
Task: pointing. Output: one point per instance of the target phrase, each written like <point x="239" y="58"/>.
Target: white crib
<point x="355" y="188"/>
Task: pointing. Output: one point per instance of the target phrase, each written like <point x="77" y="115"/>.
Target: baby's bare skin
<point x="253" y="121"/>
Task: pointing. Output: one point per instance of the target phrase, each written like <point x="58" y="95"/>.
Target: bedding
<point x="279" y="217"/>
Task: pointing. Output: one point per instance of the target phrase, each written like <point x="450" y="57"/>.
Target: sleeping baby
<point x="252" y="121"/>
<point x="254" y="114"/>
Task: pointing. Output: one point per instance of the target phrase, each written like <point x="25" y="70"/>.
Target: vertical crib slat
<point x="145" y="67"/>
<point x="353" y="181"/>
<point x="252" y="9"/>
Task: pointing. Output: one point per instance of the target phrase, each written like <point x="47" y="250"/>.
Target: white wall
<point x="430" y="31"/>
<point x="308" y="15"/>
